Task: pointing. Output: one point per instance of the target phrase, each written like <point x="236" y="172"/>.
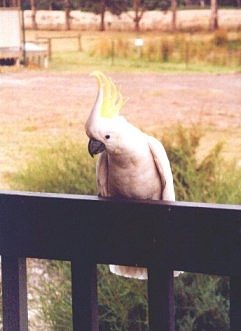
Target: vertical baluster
<point x="84" y="296"/>
<point x="235" y="303"/>
<point x="14" y="292"/>
<point x="161" y="298"/>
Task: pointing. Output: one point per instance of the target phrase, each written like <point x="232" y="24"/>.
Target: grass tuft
<point x="63" y="167"/>
<point x="182" y="52"/>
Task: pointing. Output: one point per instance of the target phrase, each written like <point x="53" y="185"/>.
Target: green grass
<point x="63" y="167"/>
<point x="82" y="63"/>
<point x="217" y="52"/>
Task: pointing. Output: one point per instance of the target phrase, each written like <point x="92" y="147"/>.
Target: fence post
<point x="84" y="295"/>
<point x="112" y="52"/>
<point x="14" y="294"/>
<point x="161" y="298"/>
<point x="49" y="47"/>
<point x="187" y="53"/>
<point x="80" y="43"/>
<point x="235" y="303"/>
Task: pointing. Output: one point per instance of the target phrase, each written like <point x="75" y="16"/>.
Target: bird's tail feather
<point x="134" y="272"/>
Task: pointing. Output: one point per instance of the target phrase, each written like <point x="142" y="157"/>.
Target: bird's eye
<point x="107" y="136"/>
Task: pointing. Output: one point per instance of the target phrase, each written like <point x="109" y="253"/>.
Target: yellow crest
<point x="112" y="100"/>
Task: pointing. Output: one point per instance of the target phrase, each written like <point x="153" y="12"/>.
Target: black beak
<point x="95" y="147"/>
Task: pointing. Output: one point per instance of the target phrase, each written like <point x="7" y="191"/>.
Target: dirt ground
<point x="36" y="107"/>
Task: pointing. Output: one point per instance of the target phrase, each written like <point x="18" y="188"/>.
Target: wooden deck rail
<point x="87" y="230"/>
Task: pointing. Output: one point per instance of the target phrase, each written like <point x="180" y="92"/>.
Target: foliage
<point x="181" y="48"/>
<point x="200" y="305"/>
<point x="220" y="37"/>
<point x="209" y="180"/>
<point x="130" y="310"/>
<point x="149" y="4"/>
<point x="56" y="301"/>
<point x="116" y="7"/>
<point x="64" y="167"/>
<point x="201" y="301"/>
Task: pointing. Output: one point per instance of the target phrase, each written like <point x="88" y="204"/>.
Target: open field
<point x="39" y="107"/>
<point x="217" y="52"/>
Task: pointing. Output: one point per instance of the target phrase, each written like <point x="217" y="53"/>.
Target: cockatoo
<point x="131" y="163"/>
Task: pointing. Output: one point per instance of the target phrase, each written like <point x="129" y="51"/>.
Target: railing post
<point x="14" y="294"/>
<point x="161" y="298"/>
<point x="235" y="303"/>
<point x="84" y="296"/>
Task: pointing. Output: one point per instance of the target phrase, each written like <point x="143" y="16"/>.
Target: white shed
<point x="10" y="34"/>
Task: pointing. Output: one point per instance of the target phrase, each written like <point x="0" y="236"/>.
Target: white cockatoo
<point x="131" y="163"/>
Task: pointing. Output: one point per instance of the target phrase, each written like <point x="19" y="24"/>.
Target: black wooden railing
<point x="87" y="230"/>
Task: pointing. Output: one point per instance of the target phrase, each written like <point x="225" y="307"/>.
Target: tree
<point x="16" y="3"/>
<point x="138" y="13"/>
<point x="140" y="6"/>
<point x="116" y="7"/>
<point x="214" y="15"/>
<point x="102" y="14"/>
<point x="99" y="7"/>
<point x="174" y="15"/>
<point x="96" y="6"/>
<point x="67" y="14"/>
<point x="33" y="5"/>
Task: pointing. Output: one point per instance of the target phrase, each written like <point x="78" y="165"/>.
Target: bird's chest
<point x="137" y="180"/>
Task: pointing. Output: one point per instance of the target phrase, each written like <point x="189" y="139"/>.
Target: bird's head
<point x="104" y="123"/>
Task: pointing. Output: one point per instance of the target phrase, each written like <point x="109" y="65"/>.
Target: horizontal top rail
<point x="195" y="237"/>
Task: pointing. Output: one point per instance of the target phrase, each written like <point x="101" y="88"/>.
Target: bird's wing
<point x="163" y="166"/>
<point x="102" y="175"/>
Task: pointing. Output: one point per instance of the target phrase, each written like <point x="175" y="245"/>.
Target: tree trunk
<point x="15" y="3"/>
<point x="33" y="14"/>
<point x="214" y="15"/>
<point x="67" y="14"/>
<point x="137" y="25"/>
<point x="174" y="15"/>
<point x="102" y="15"/>
<point x="137" y="13"/>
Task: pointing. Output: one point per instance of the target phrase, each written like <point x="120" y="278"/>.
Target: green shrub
<point x="166" y="50"/>
<point x="122" y="302"/>
<point x="55" y="296"/>
<point x="210" y="320"/>
<point x="197" y="297"/>
<point x="219" y="50"/>
<point x="66" y="167"/>
<point x="209" y="180"/>
<point x="220" y="37"/>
